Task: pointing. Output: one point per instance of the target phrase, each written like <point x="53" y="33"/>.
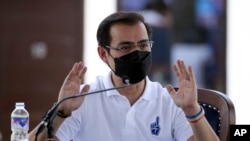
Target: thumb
<point x="170" y="90"/>
<point x="85" y="89"/>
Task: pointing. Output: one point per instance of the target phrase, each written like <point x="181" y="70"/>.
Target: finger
<point x="71" y="73"/>
<point x="81" y="74"/>
<point x="179" y="65"/>
<point x="191" y="74"/>
<point x="171" y="90"/>
<point x="183" y="68"/>
<point x="79" y="67"/>
<point x="157" y="120"/>
<point x="77" y="72"/>
<point x="85" y="89"/>
<point x="177" y="72"/>
<point x="75" y="67"/>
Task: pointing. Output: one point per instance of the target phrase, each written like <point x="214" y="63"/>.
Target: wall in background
<point x="238" y="70"/>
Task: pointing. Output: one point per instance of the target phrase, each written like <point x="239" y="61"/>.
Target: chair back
<point x="219" y="111"/>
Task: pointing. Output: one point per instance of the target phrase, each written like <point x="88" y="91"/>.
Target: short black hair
<point x="126" y="17"/>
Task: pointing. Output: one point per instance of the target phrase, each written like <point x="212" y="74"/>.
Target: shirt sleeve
<point x="70" y="127"/>
<point x="182" y="128"/>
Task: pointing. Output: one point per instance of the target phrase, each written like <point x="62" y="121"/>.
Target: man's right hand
<point x="71" y="86"/>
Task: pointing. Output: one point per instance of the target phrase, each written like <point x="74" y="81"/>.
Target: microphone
<point x="50" y="114"/>
<point x="125" y="79"/>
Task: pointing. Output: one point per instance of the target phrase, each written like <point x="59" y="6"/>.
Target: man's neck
<point x="133" y="92"/>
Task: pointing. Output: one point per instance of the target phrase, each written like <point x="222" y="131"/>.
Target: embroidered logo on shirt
<point x="155" y="127"/>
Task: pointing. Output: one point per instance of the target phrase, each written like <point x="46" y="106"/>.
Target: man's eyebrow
<point x="128" y="42"/>
<point x="141" y="41"/>
<point x="125" y="42"/>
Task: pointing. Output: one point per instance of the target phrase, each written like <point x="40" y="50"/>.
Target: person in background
<point x="143" y="110"/>
<point x="159" y="16"/>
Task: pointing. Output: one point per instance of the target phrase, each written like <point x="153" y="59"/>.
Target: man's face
<point x="125" y="35"/>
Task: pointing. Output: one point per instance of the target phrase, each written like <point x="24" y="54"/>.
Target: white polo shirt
<point x="108" y="116"/>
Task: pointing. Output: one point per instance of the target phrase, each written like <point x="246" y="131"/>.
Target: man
<point x="141" y="111"/>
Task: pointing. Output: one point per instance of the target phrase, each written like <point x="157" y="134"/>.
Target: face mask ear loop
<point x="108" y="62"/>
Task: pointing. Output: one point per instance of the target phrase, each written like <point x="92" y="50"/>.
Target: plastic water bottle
<point x="19" y="123"/>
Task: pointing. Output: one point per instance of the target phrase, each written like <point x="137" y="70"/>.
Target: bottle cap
<point x="19" y="103"/>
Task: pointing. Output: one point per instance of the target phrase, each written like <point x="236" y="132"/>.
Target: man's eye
<point x="143" y="45"/>
<point x="127" y="47"/>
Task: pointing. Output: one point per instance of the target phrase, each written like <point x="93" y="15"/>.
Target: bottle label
<point x="20" y="121"/>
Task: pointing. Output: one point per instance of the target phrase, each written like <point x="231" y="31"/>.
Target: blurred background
<point x="193" y="30"/>
<point x="41" y="40"/>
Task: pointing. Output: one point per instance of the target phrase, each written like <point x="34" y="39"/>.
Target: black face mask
<point x="133" y="66"/>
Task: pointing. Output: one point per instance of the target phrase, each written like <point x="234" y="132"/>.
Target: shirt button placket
<point x="129" y="126"/>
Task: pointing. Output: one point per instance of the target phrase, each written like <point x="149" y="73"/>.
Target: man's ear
<point x="102" y="52"/>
